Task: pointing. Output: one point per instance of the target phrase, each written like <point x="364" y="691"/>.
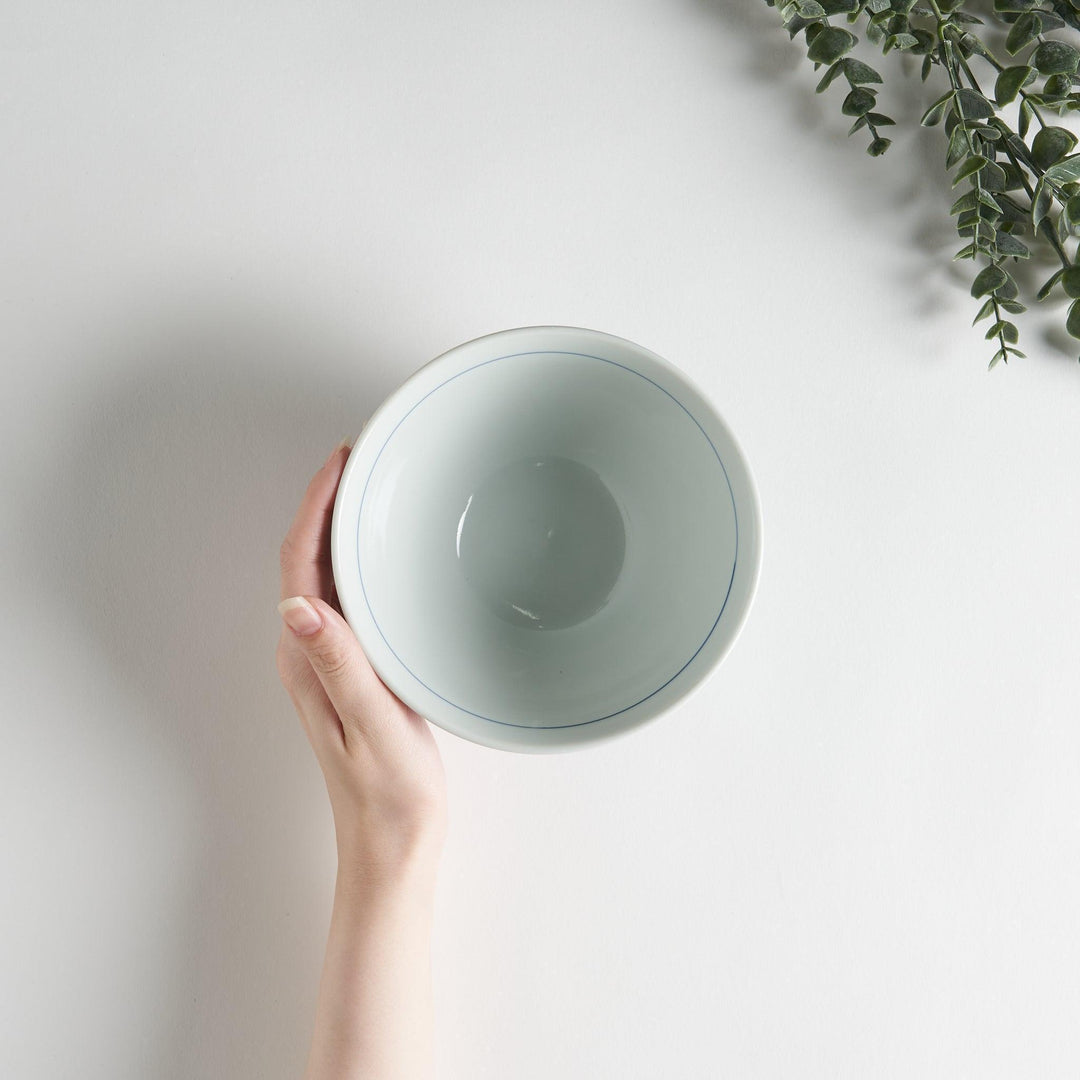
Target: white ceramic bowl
<point x="545" y="537"/>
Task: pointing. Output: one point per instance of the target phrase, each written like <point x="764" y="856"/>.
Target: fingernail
<point x="337" y="450"/>
<point x="300" y="617"/>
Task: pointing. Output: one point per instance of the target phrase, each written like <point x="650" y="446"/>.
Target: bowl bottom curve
<point x="542" y="542"/>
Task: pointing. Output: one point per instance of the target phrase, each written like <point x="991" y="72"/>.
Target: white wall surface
<point x="229" y="230"/>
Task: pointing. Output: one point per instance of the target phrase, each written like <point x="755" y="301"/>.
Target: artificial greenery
<point x="1019" y="189"/>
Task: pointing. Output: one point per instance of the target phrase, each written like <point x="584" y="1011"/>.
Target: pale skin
<point x="387" y="789"/>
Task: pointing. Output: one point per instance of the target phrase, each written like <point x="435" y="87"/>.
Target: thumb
<point x="328" y="642"/>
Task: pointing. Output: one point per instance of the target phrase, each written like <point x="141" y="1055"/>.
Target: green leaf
<point x="1055" y="57"/>
<point x="969" y="44"/>
<point x="974" y="105"/>
<point x="984" y="311"/>
<point x="1062" y="229"/>
<point x="1064" y="172"/>
<point x="968" y="201"/>
<point x="1014" y="178"/>
<point x="1010" y="81"/>
<point x="983" y="233"/>
<point x="900" y="42"/>
<point x="810" y="9"/>
<point x="1020" y="149"/>
<point x="840" y="7"/>
<point x="858" y="102"/>
<point x="998" y="357"/>
<point x="858" y="73"/>
<point x="880" y="119"/>
<point x="970" y="167"/>
<point x="965" y="253"/>
<point x="934" y="114"/>
<point x="830" y="74"/>
<point x="1051" y="145"/>
<point x="988" y="280"/>
<point x="1057" y="87"/>
<point x="1049" y="20"/>
<point x="860" y="123"/>
<point x="1072" y="321"/>
<point x="924" y="42"/>
<point x="1005" y="330"/>
<point x="1044" y="292"/>
<point x="1015" y="5"/>
<point x="1027" y="114"/>
<point x="1012" y="210"/>
<point x="830" y="45"/>
<point x="978" y="212"/>
<point x="1040" y="204"/>
<point x="878" y="147"/>
<point x="1072" y="210"/>
<point x="985" y="131"/>
<point x="1007" y="244"/>
<point x="959" y="146"/>
<point x="994" y="178"/>
<point x="1070" y="281"/>
<point x="1013" y="307"/>
<point x="1024" y="31"/>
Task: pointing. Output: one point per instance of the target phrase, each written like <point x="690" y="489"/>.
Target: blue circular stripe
<point x="583" y="723"/>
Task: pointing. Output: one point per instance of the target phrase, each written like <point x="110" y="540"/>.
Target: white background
<point x="228" y="231"/>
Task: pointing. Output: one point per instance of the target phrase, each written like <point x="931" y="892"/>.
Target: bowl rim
<point x="682" y="686"/>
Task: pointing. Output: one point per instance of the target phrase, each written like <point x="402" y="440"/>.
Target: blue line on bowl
<point x="583" y="723"/>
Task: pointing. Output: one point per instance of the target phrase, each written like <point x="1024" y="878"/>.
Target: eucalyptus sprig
<point x="1018" y="187"/>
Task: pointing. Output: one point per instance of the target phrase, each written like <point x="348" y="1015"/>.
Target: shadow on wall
<point x="178" y="486"/>
<point x="906" y="191"/>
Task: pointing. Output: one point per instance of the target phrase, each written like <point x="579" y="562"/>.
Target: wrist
<point x="387" y="866"/>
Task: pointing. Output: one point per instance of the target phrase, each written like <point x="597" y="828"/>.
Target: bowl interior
<point x="545" y="538"/>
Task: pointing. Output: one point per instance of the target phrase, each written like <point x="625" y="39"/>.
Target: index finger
<point x="305" y="553"/>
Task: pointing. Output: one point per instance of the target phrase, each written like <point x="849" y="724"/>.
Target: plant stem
<point x="987" y="55"/>
<point x="946" y="47"/>
<point x="1047" y="228"/>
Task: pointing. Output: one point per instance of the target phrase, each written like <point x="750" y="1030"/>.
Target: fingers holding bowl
<point x="306" y="568"/>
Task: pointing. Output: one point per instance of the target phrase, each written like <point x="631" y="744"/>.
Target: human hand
<point x="382" y="766"/>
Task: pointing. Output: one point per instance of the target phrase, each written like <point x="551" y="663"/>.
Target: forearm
<point x="374" y="1015"/>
